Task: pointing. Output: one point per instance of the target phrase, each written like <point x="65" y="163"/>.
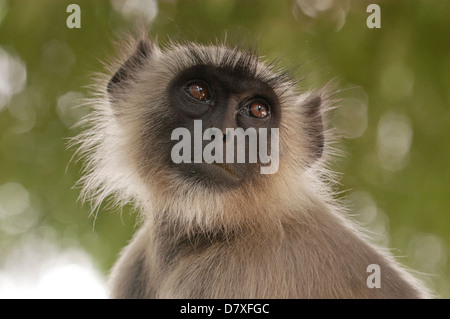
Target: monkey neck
<point x="175" y="240"/>
<point x="189" y="220"/>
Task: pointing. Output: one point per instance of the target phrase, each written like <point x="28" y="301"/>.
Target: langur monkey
<point x="224" y="230"/>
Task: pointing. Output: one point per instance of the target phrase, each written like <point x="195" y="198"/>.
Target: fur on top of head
<point x="122" y="141"/>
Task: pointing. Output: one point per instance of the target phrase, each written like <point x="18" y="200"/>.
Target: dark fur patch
<point x="135" y="285"/>
<point x="233" y="61"/>
<point x="315" y="127"/>
<point x="127" y="70"/>
<point x="174" y="243"/>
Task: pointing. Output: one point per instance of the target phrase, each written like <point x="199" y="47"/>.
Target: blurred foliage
<point x="393" y="81"/>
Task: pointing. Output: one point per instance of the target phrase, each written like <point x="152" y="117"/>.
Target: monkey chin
<point x="221" y="176"/>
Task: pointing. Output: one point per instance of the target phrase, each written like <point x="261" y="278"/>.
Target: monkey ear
<point x="312" y="111"/>
<point x="128" y="69"/>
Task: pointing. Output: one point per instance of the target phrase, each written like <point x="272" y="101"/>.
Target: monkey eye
<point x="258" y="109"/>
<point x="199" y="91"/>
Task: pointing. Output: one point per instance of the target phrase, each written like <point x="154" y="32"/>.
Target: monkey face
<point x="209" y="116"/>
<point x="215" y="105"/>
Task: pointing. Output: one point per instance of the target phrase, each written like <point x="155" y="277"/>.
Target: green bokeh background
<point x="402" y="68"/>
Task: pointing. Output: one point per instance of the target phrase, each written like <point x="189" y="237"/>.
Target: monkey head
<point x="199" y="104"/>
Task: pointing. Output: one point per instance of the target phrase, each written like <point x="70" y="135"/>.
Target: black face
<point x="223" y="99"/>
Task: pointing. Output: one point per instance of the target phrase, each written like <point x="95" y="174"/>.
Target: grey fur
<point x="275" y="236"/>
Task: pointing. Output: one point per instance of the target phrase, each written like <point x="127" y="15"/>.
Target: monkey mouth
<point x="220" y="174"/>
